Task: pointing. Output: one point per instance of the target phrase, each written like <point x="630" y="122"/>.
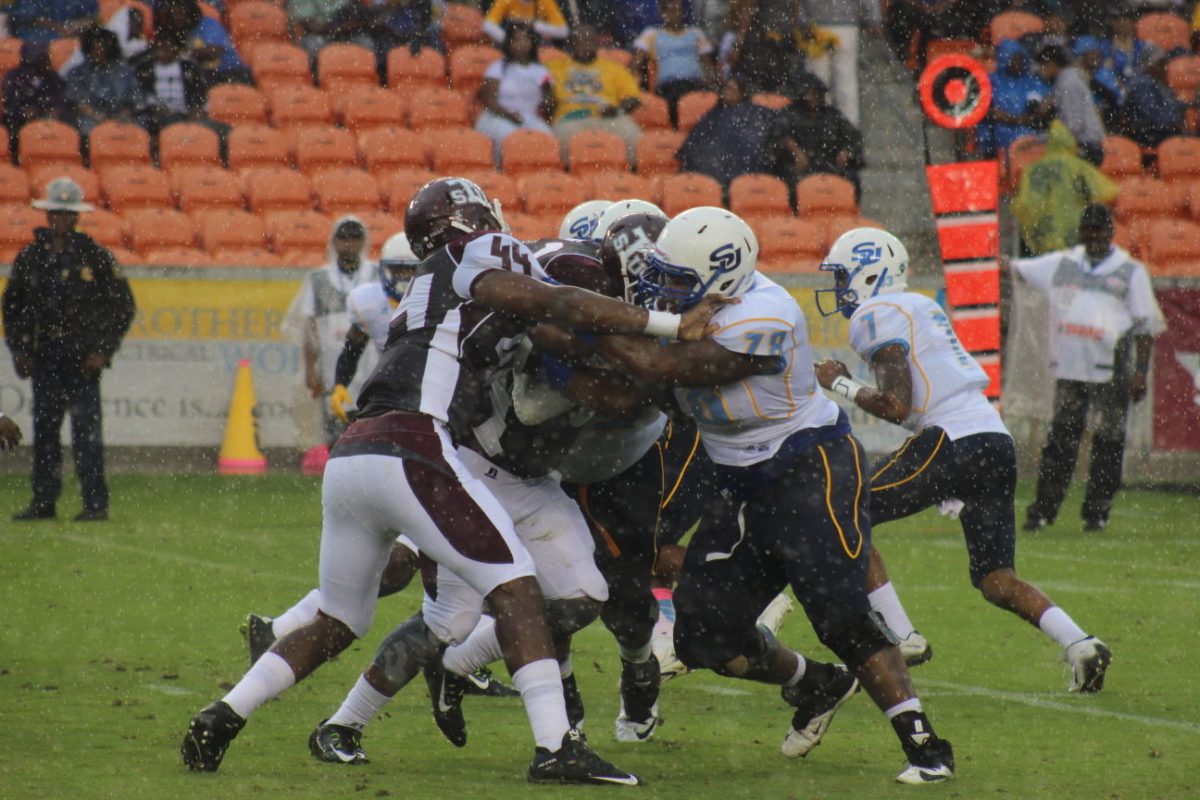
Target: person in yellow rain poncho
<point x="1053" y="192"/>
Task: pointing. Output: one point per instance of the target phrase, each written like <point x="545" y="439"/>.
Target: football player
<point x="791" y="506"/>
<point x="395" y="470"/>
<point x="580" y="221"/>
<point x="960" y="448"/>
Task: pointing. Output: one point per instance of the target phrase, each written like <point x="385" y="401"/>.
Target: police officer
<point x="66" y="309"/>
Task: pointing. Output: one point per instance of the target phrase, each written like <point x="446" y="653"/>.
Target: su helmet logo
<point x="867" y="253"/>
<point x="582" y="227"/>
<point x="725" y="258"/>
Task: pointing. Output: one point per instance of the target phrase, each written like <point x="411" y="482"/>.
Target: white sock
<point x="541" y="692"/>
<point x="566" y="668"/>
<point x="636" y="656"/>
<point x="912" y="704"/>
<point x="886" y="603"/>
<point x="801" y="668"/>
<point x="1059" y="626"/>
<point x="360" y="706"/>
<point x="300" y="614"/>
<point x="269" y="677"/>
<point x="479" y="649"/>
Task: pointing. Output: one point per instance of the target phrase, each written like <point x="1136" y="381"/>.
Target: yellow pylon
<point x="239" y="452"/>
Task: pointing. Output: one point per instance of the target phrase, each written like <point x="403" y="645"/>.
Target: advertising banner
<point x="1177" y="372"/>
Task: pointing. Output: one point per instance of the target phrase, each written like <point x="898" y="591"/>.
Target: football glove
<point x="339" y="400"/>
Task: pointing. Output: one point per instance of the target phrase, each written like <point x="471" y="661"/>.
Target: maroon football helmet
<point x="623" y="250"/>
<point x="447" y="209"/>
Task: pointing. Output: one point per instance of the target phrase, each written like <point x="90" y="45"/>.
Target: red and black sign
<point x="955" y="91"/>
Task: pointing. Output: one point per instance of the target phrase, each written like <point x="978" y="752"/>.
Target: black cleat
<point x="574" y="701"/>
<point x="92" y="515"/>
<point x="638" y="718"/>
<point x="815" y="708"/>
<point x="446" y="694"/>
<point x="34" y="513"/>
<point x="208" y="736"/>
<point x="483" y="682"/>
<point x="575" y="762"/>
<point x="337" y="744"/>
<point x="259" y="635"/>
<point x="1034" y="521"/>
<point x="1095" y="525"/>
<point x="930" y="762"/>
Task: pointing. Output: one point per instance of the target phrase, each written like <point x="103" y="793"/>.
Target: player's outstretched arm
<point x="892" y="400"/>
<point x="704" y="363"/>
<point x="582" y="310"/>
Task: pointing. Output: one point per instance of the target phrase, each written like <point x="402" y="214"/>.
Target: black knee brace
<point x="569" y="615"/>
<point x="858" y="638"/>
<point x="631" y="618"/>
<point x="406" y="650"/>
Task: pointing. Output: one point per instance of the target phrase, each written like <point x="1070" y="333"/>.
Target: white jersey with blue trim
<point x="745" y="422"/>
<point x="947" y="383"/>
<point x="371" y="310"/>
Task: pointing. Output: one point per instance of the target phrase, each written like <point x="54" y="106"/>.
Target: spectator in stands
<point x="404" y="22"/>
<point x="1016" y="95"/>
<point x="103" y="87"/>
<point x="1052" y="193"/>
<point x="681" y="54"/>
<point x="1151" y="111"/>
<point x="620" y="20"/>
<point x="129" y="25"/>
<point x="1105" y="86"/>
<point x="1071" y="101"/>
<point x="1125" y="49"/>
<point x="210" y="45"/>
<point x="174" y="88"/>
<point x="593" y="93"/>
<point x="46" y="20"/>
<point x="712" y="16"/>
<point x="517" y="91"/>
<point x="761" y="46"/>
<point x="843" y="19"/>
<point x="544" y="15"/>
<point x="736" y="137"/>
<point x="816" y="137"/>
<point x="33" y="90"/>
<point x="316" y="23"/>
<point x="921" y="21"/>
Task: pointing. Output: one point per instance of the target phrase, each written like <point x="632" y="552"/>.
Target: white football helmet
<point x="702" y="251"/>
<point x="397" y="263"/>
<point x="580" y="221"/>
<point x="616" y="210"/>
<point x="865" y="262"/>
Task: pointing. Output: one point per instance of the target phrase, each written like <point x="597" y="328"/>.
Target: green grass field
<point x="114" y="634"/>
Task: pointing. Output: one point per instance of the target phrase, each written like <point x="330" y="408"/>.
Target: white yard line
<point x="1039" y="701"/>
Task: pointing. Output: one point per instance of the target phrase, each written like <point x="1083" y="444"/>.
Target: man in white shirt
<point x="1102" y="314"/>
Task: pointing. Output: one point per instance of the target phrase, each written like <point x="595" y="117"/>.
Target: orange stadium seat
<point x="453" y="151"/>
<point x="87" y="180"/>
<point x="952" y="47"/>
<point x="381" y="226"/>
<point x="824" y="194"/>
<point x="107" y="228"/>
<point x="399" y="187"/>
<point x="188" y="143"/>
<point x="256" y="145"/>
<point x="1179" y="157"/>
<point x="1174" y="248"/>
<point x="252" y="23"/>
<point x="1183" y="76"/>
<point x="14" y="185"/>
<point x="235" y="104"/>
<point x="497" y="186"/>
<point x="462" y="25"/>
<point x="321" y="148"/>
<point x="370" y="108"/>
<point x="467" y="65"/>
<point x="1014" y="25"/>
<point x="790" y="245"/>
<point x="276" y="188"/>
<point x="277" y="64"/>
<point x="384" y="150"/>
<point x="5" y="149"/>
<point x="623" y="186"/>
<point x="45" y="141"/>
<point x="771" y="100"/>
<point x="246" y="257"/>
<point x="549" y="193"/>
<point x="426" y="68"/>
<point x="208" y="187"/>
<point x="134" y="187"/>
<point x="300" y="105"/>
<point x="118" y="144"/>
<point x="656" y="152"/>
<point x="61" y="51"/>
<point x="1168" y="31"/>
<point x="757" y="196"/>
<point x="341" y="191"/>
<point x="653" y="113"/>
<point x="525" y="151"/>
<point x="437" y="108"/>
<point x="16" y="229"/>
<point x="838" y="224"/>
<point x="1146" y="197"/>
<point x="10" y="53"/>
<point x="1122" y="157"/>
<point x="232" y="229"/>
<point x="693" y="106"/>
<point x="346" y="64"/>
<point x="299" y="232"/>
<point x="525" y="227"/>
<point x="589" y="152"/>
<point x="177" y="257"/>
<point x="153" y="228"/>
<point x="687" y="190"/>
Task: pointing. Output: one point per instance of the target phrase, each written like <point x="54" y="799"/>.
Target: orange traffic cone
<point x="239" y="452"/>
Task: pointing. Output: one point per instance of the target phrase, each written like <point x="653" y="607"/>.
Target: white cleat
<point x="813" y="714"/>
<point x="1089" y="659"/>
<point x="915" y="649"/>
<point x="772" y="616"/>
<point x="629" y="731"/>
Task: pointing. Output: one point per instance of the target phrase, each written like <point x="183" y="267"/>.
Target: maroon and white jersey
<point x="444" y="348"/>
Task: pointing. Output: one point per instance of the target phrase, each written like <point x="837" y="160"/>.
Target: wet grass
<point x="114" y="634"/>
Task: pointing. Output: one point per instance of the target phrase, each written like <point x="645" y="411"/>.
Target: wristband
<point x="846" y="386"/>
<point x="663" y="324"/>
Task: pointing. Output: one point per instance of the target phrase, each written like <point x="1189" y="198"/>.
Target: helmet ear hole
<point x="870" y="280"/>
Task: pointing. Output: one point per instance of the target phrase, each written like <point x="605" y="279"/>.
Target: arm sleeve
<point x="493" y="251"/>
<point x="347" y="363"/>
<point x="497" y="12"/>
<point x="704" y="47"/>
<point x="876" y="326"/>
<point x="549" y="13"/>
<point x="645" y="41"/>
<point x="122" y="308"/>
<point x="1143" y="306"/>
<point x="17" y="331"/>
<point x="1038" y="272"/>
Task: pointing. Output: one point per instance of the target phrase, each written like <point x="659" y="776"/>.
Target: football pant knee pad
<point x="630" y="617"/>
<point x="406" y="650"/>
<point x="568" y="615"/>
<point x="858" y="638"/>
